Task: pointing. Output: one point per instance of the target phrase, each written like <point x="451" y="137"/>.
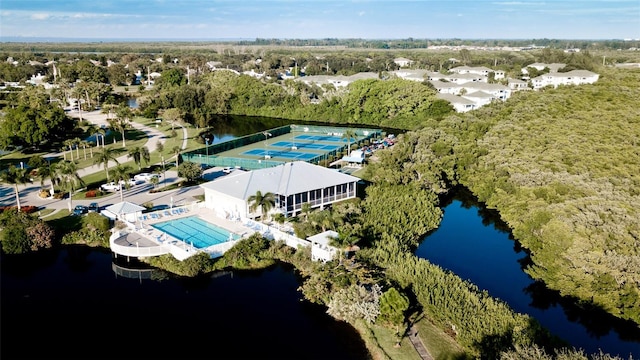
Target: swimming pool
<point x="196" y="231"/>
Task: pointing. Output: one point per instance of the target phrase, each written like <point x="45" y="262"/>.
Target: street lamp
<point x="266" y="151"/>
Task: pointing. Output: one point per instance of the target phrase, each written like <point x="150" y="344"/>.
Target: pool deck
<point x="142" y="239"/>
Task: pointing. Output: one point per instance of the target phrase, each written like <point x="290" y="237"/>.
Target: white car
<point x="130" y="182"/>
<point x="227" y="170"/>
<point x="111" y="186"/>
<point x="145" y="177"/>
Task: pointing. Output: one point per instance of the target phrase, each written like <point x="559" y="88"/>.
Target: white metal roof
<point x="124" y="207"/>
<point x="286" y="179"/>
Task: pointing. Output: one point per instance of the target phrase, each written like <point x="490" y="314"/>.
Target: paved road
<point x="138" y="194"/>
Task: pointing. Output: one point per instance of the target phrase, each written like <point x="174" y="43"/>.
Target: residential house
<point x="497" y="91"/>
<point x="465" y="78"/>
<point x="480" y="98"/>
<point x="554" y="67"/>
<point x="459" y="103"/>
<point x="293" y="184"/>
<point x="478" y="70"/>
<point x="338" y="81"/>
<point x="574" y="77"/>
<point x="517" y="84"/>
<point x="402" y="62"/>
<point x="413" y="75"/>
<point x="444" y="87"/>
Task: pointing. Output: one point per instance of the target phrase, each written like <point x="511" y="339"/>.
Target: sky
<point x="315" y="19"/>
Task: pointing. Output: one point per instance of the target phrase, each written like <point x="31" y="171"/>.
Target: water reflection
<point x="472" y="237"/>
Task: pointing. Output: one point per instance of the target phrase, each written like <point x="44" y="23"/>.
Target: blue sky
<point x="307" y="19"/>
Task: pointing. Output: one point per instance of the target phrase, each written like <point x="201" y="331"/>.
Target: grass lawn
<point x="440" y="345"/>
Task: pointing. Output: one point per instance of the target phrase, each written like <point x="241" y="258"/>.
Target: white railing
<point x="135" y="251"/>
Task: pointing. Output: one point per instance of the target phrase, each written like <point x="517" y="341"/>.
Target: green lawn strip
<point x="440" y="345"/>
<point x="386" y="341"/>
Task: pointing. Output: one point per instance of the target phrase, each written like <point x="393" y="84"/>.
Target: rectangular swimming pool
<point x="196" y="231"/>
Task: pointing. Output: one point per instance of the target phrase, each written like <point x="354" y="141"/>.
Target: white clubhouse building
<point x="293" y="184"/>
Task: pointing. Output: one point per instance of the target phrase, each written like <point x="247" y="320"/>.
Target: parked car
<point x="112" y="186"/>
<point x="227" y="170"/>
<point x="79" y="210"/>
<point x="131" y="182"/>
<point x="145" y="177"/>
<point x="93" y="207"/>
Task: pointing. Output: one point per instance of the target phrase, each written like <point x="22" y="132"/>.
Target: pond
<point x="82" y="303"/>
<point x="476" y="245"/>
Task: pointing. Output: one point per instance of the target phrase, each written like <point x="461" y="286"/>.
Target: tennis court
<point x="279" y="153"/>
<point x="302" y="145"/>
<point x="310" y="143"/>
<point x="331" y="138"/>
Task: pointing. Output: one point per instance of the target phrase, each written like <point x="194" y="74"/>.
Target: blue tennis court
<point x="283" y="154"/>
<point x="302" y="145"/>
<point x="195" y="231"/>
<point x="330" y="138"/>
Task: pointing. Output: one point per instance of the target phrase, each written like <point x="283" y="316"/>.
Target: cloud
<point x="361" y="13"/>
<point x="40" y="16"/>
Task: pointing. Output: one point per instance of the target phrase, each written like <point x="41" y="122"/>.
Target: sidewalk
<point x="138" y="194"/>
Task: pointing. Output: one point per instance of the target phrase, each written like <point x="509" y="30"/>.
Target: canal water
<point x="77" y="303"/>
<point x="476" y="245"/>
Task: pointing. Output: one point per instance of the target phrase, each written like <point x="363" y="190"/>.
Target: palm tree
<point x="48" y="171"/>
<point x="136" y="154"/>
<point x="176" y="150"/>
<point x="265" y="202"/>
<point x="100" y="132"/>
<point x="343" y="241"/>
<point x="69" y="178"/>
<point x="146" y="155"/>
<point x="121" y="174"/>
<point x="84" y="144"/>
<point x="349" y="134"/>
<point x="108" y="154"/>
<point x="69" y="145"/>
<point x="154" y="181"/>
<point x="14" y="176"/>
<point x="323" y="219"/>
<point x="122" y="121"/>
<point x="305" y="210"/>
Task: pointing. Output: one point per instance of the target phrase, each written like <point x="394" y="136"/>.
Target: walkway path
<point x="418" y="344"/>
<point x="138" y="194"/>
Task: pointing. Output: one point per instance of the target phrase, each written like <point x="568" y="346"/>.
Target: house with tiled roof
<point x="293" y="184"/>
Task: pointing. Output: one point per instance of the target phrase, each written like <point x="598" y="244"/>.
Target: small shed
<point x="124" y="211"/>
<point x="320" y="248"/>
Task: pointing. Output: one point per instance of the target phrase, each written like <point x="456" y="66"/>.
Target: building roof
<point x="454" y="99"/>
<point x="323" y="238"/>
<point x="124" y="207"/>
<point x="286" y="179"/>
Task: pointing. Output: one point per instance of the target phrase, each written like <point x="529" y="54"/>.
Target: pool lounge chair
<point x="167" y="213"/>
<point x="155" y="216"/>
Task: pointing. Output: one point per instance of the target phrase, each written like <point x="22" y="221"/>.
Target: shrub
<point x="90" y="194"/>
